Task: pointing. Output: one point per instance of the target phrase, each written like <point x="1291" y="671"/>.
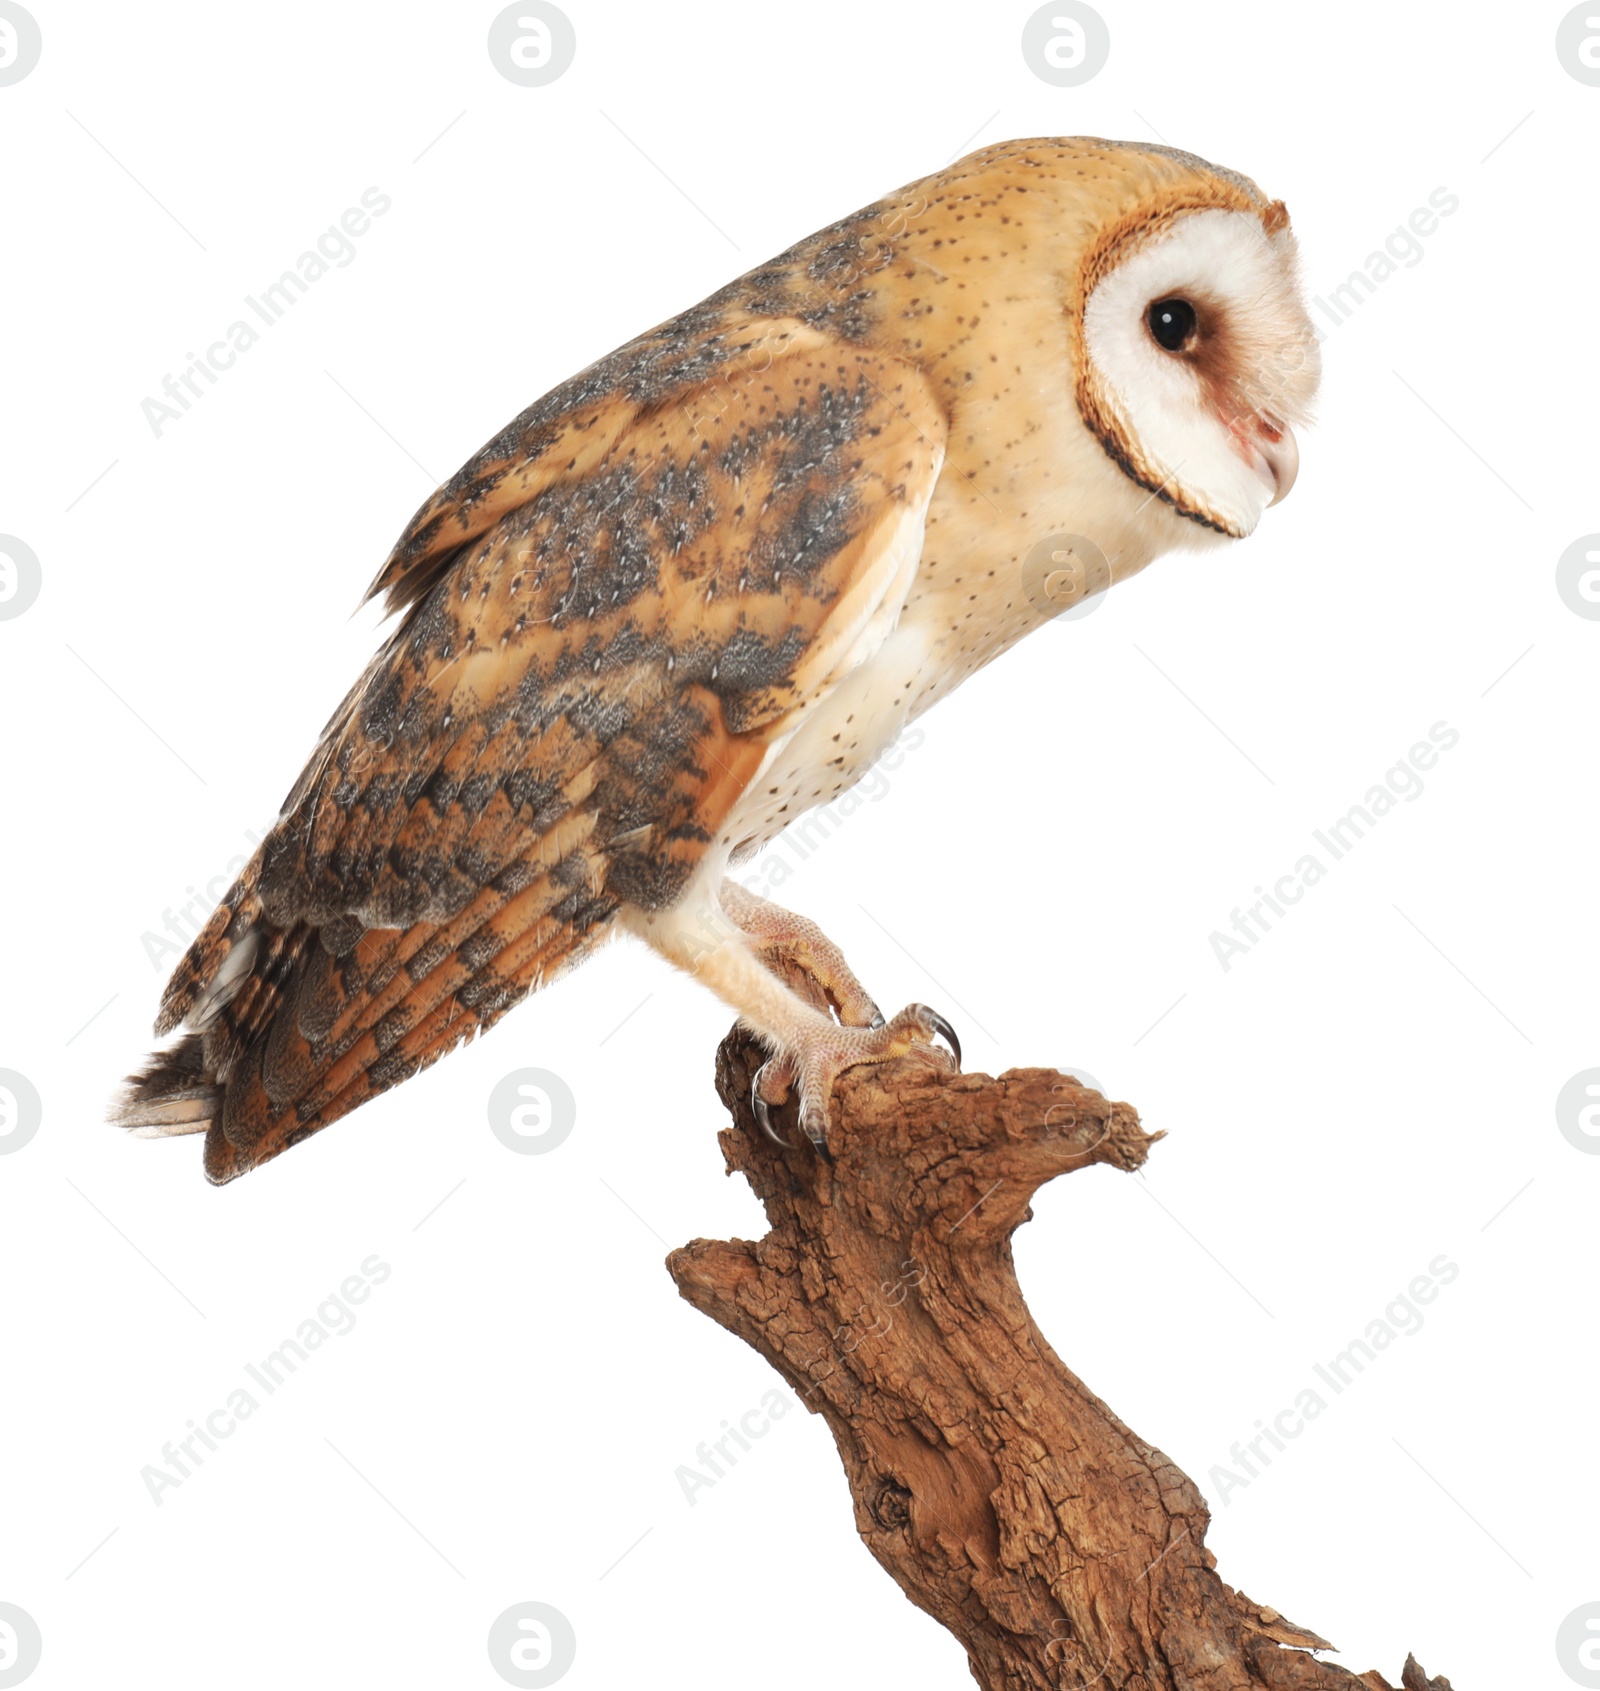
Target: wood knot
<point x="891" y="1506"/>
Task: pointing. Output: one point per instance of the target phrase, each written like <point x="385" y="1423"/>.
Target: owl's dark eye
<point x="1172" y="322"/>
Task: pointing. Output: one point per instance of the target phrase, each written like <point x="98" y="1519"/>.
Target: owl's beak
<point x="1280" y="456"/>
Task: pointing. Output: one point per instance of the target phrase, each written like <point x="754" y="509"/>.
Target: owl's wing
<point x="602" y="639"/>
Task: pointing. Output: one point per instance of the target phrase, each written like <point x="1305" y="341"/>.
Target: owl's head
<point x="1196" y="359"/>
<point x="1172" y="284"/>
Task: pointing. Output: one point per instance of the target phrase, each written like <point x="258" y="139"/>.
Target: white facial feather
<point x="1244" y="286"/>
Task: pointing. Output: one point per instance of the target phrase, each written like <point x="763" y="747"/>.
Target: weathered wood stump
<point x="1001" y="1494"/>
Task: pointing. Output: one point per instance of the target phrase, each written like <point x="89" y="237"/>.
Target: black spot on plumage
<point x="572" y="871"/>
<point x="473" y="953"/>
<point x="601" y="716"/>
<point x="481" y="994"/>
<point x="390" y="1071"/>
<point x="527" y="788"/>
<point x="392" y="1028"/>
<point x="475" y="866"/>
<point x="548" y="815"/>
<point x="441" y="790"/>
<point x="340" y="936"/>
<point x="474" y="794"/>
<point x="426" y="959"/>
<point x="751" y="660"/>
<point x="515" y="877"/>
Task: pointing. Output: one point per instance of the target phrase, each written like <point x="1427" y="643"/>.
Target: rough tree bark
<point x="1001" y="1494"/>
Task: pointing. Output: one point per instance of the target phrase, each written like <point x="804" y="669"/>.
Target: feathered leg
<point x="714" y="944"/>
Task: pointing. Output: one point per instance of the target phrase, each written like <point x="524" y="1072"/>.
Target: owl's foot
<point x="777" y="932"/>
<point x="728" y="943"/>
<point x="828" y="1053"/>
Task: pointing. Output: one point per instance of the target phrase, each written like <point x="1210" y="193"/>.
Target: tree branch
<point x="997" y="1490"/>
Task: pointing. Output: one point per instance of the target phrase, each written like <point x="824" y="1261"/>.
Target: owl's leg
<point x="798" y="940"/>
<point x="700" y="937"/>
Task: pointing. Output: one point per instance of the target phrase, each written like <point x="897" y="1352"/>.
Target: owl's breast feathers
<point x="609" y="615"/>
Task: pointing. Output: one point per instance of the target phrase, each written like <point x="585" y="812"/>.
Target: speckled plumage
<point x="682" y="597"/>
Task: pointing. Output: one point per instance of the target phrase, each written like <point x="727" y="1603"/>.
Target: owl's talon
<point x="944" y="1030"/>
<point x="758" y="1108"/>
<point x="817" y="1064"/>
<point x="878" y="1020"/>
<point x="815" y="1123"/>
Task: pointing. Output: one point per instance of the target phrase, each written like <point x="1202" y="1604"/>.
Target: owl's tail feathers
<point x="224" y="994"/>
<point x="173" y="1093"/>
<point x="287" y="1026"/>
<point x="181" y="1089"/>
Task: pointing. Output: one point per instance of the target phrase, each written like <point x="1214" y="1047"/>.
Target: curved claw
<point x="758" y="1108"/>
<point x="877" y="1018"/>
<point x="945" y="1032"/>
<point x="816" y="1133"/>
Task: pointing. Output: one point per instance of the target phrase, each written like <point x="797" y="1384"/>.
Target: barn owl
<point x="699" y="587"/>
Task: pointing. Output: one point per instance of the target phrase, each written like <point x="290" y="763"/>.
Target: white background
<point x="1371" y="1086"/>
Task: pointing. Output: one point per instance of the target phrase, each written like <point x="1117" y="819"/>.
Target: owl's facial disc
<point x="1200" y="360"/>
